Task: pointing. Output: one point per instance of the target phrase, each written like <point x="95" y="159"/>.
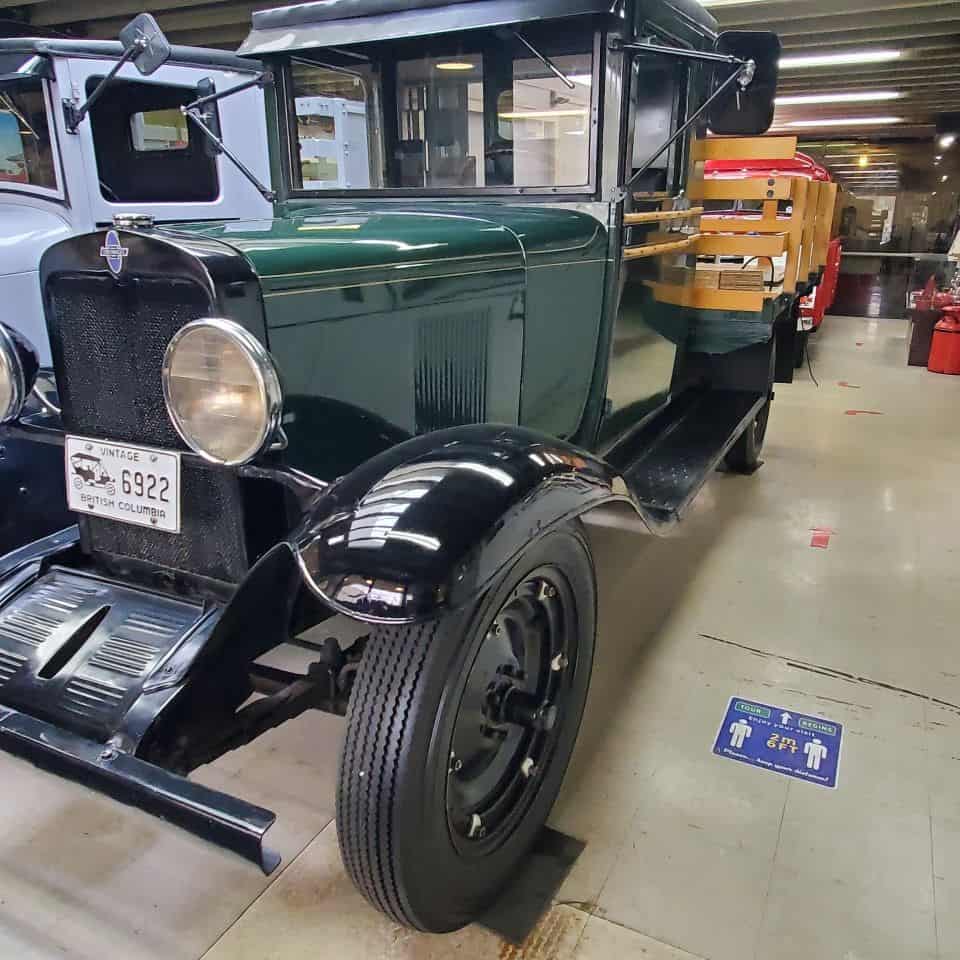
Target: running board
<point x="668" y="460"/>
<point x="214" y="816"/>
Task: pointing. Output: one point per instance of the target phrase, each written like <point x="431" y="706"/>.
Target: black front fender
<point x="427" y="524"/>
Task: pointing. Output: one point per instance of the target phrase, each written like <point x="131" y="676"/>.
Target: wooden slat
<point x="738" y="245"/>
<point x="660" y="216"/>
<point x="744" y="224"/>
<point x="795" y="233"/>
<point x="745" y="148"/>
<point x="699" y="298"/>
<point x="656" y="249"/>
<point x="751" y="188"/>
<point x="809" y="229"/>
<point x="821" y="240"/>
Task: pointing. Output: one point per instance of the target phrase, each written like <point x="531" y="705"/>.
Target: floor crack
<point x="833" y="673"/>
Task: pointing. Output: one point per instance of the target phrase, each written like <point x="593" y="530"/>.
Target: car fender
<point x="428" y="524"/>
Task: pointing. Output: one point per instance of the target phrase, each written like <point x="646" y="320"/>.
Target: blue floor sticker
<point x="807" y="748"/>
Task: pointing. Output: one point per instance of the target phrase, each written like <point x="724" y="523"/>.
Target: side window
<point x="656" y="95"/>
<point x="159" y="130"/>
<point x="144" y="148"/>
<point x="332" y="150"/>
<point x="26" y="153"/>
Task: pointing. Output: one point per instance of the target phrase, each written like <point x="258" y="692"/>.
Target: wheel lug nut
<point x="547" y="591"/>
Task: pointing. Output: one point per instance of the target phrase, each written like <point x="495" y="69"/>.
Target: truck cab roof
<point x="29" y="55"/>
<point x="325" y="23"/>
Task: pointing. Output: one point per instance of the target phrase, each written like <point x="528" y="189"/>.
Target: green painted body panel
<point x="421" y="317"/>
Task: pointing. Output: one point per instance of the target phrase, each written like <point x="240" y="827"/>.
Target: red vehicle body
<point x="814" y="306"/>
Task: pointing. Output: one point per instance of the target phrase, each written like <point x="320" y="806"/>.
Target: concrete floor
<point x="688" y="855"/>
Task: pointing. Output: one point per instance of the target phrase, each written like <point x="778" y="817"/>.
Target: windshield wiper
<point x="197" y="111"/>
<point x="545" y="60"/>
<point x="9" y="104"/>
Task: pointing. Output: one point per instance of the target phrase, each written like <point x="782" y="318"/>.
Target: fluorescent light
<point x="853" y="156"/>
<point x="454" y="65"/>
<point x="541" y="114"/>
<point x="944" y="178"/>
<point x="859" y="166"/>
<point x="846" y="122"/>
<point x="868" y="96"/>
<point x="948" y="140"/>
<point x="839" y="59"/>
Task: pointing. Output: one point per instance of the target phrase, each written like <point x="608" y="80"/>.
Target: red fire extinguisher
<point x="945" y="349"/>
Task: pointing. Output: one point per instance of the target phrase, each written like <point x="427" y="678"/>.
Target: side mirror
<point x="747" y="111"/>
<point x="145" y="43"/>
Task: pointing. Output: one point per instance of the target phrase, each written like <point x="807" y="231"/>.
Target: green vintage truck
<point x="391" y="401"/>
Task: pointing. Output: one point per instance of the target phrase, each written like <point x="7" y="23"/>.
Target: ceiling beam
<point x="228" y="37"/>
<point x="936" y="21"/>
<point x="55" y="12"/>
<point x="942" y="33"/>
<point x="191" y="19"/>
<point x="761" y="16"/>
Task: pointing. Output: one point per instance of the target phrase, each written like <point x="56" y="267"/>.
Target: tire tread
<point x="379" y="713"/>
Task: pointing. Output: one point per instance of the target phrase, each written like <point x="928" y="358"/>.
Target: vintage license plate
<point x="118" y="481"/>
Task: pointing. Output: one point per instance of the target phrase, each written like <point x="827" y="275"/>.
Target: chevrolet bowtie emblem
<point x="113" y="252"/>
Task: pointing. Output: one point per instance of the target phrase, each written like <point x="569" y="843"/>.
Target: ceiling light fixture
<point x="839" y="59"/>
<point x="868" y="96"/>
<point x="846" y="122"/>
<point x="948" y="140"/>
<point x="454" y="65"/>
<point x="541" y="114"/>
<point x="853" y="156"/>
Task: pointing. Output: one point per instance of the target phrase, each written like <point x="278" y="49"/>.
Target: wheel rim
<point x="511" y="711"/>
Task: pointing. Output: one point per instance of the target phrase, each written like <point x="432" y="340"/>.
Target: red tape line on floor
<point x="871" y="413"/>
<point x="849" y="386"/>
<point x="821" y="537"/>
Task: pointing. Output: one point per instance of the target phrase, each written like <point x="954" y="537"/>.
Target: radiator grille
<point x="108" y="341"/>
<point x="451" y="370"/>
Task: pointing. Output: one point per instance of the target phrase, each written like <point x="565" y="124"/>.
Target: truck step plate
<point x="667" y="462"/>
<point x="77" y="650"/>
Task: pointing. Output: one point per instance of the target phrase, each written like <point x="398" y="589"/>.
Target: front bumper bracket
<point x="217" y="817"/>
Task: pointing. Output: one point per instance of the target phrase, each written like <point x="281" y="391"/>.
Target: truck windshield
<point x="26" y="154"/>
<point x="447" y="114"/>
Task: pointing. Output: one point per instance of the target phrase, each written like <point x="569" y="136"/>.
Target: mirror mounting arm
<point x="195" y="115"/>
<point x="682" y="53"/>
<point x="260" y="80"/>
<point x="73" y="113"/>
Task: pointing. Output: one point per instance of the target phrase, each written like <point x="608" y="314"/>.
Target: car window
<point x="160" y="130"/>
<point x="487" y="113"/>
<point x="332" y="128"/>
<point x="145" y="150"/>
<point x="26" y="153"/>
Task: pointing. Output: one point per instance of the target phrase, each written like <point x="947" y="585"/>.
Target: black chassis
<point x="180" y="707"/>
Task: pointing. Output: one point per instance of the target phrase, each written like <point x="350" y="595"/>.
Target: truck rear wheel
<point x="744" y="455"/>
<point x="459" y="732"/>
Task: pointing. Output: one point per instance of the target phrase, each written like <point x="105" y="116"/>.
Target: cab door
<point x="137" y="152"/>
<point x="656" y="252"/>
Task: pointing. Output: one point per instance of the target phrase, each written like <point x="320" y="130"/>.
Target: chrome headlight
<point x="18" y="370"/>
<point x="222" y="390"/>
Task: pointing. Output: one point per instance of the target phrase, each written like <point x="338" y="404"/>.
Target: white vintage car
<point x="132" y="151"/>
